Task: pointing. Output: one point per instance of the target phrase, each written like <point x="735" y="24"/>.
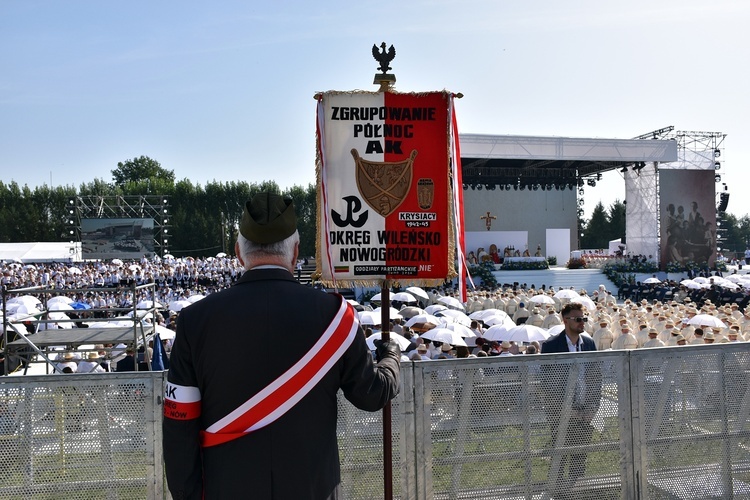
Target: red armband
<point x="181" y="402"/>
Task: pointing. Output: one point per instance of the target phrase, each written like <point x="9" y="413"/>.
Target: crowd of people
<point x="611" y="324"/>
<point x="174" y="278"/>
<point x="108" y="289"/>
<point x="643" y="319"/>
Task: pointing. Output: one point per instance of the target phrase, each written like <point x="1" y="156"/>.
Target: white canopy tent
<point x="25" y="253"/>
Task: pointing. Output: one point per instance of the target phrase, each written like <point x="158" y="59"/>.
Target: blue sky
<point x="224" y="90"/>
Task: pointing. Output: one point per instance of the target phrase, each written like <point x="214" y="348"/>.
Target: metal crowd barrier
<point x="648" y="424"/>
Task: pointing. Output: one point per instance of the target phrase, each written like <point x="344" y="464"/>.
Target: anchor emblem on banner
<point x="384" y="184"/>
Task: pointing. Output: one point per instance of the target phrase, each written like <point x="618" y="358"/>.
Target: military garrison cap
<point x="268" y="218"/>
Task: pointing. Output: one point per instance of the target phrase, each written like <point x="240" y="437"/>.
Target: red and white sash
<point x="283" y="393"/>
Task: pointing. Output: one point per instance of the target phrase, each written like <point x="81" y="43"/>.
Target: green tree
<point x="98" y="187"/>
<point x="191" y="232"/>
<point x="140" y="169"/>
<point x="306" y="207"/>
<point x="18" y="220"/>
<point x="616" y="221"/>
<point x="596" y="230"/>
<point x="735" y="233"/>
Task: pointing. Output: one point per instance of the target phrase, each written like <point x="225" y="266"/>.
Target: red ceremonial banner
<point x="386" y="208"/>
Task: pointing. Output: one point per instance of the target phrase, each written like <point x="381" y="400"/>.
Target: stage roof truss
<point x="553" y="160"/>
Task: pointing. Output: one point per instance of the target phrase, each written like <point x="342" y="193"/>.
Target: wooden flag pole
<point x="385" y="321"/>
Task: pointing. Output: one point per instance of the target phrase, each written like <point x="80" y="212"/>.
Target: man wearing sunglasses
<point x="570" y="339"/>
<point x="577" y="386"/>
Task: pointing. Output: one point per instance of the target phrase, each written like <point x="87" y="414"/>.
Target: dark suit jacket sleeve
<point x="181" y="438"/>
<point x="555" y="344"/>
<point x="366" y="385"/>
<point x="588" y="344"/>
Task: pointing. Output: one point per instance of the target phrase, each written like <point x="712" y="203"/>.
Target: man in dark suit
<point x="264" y="424"/>
<point x="127" y="364"/>
<point x="574" y="391"/>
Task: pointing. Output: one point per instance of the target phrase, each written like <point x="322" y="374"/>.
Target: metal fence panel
<point x="693" y="432"/>
<point x="652" y="423"/>
<point x="360" y="436"/>
<point x="88" y="436"/>
<point x="527" y="426"/>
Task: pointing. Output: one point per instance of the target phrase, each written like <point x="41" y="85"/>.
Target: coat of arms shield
<point x="385" y="184"/>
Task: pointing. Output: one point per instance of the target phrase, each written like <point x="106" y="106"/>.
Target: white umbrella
<point x="134" y="267"/>
<point x="403" y="297"/>
<point x="434" y="308"/>
<point x="418" y="292"/>
<point x="19" y="318"/>
<point x="410" y="311"/>
<point x="586" y="301"/>
<point x="57" y="316"/>
<point x="119" y="322"/>
<point x="451" y="302"/>
<point x="59" y="306"/>
<point x="706" y="320"/>
<point x="178" y="305"/>
<point x="59" y="299"/>
<point x="375" y="298"/>
<point x="498" y="319"/>
<point x="729" y="285"/>
<point x="148" y="304"/>
<point x="403" y="343"/>
<point x="168" y="256"/>
<point x="497" y="332"/>
<point x="527" y="333"/>
<point x="444" y="335"/>
<point x="142" y="314"/>
<point x="693" y="285"/>
<point x="105" y="324"/>
<point x="423" y="318"/>
<point x="651" y="280"/>
<point x="566" y="294"/>
<point x="554" y="330"/>
<point x="484" y="313"/>
<point x="116" y="262"/>
<point x="356" y="305"/>
<point x="701" y="279"/>
<point x="369" y="318"/>
<point x="28" y="300"/>
<point x="392" y="312"/>
<point x="22" y="309"/>
<point x="542" y="299"/>
<point x="164" y="332"/>
<point x="195" y="298"/>
<point x="456" y="316"/>
<point x="221" y="255"/>
<point x="74" y="270"/>
<point x="462" y="330"/>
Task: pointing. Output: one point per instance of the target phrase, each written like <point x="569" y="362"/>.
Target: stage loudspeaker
<point x="723" y="202"/>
